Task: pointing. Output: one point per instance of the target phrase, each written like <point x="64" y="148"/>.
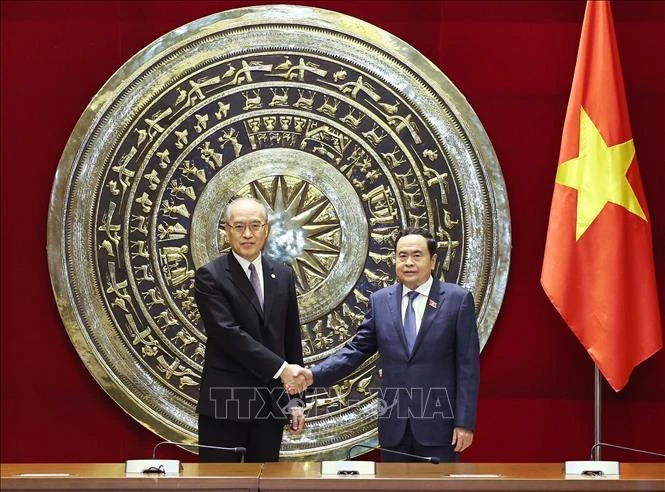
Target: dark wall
<point x="513" y="61"/>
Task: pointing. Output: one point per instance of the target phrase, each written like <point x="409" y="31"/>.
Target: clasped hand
<point x="296" y="379"/>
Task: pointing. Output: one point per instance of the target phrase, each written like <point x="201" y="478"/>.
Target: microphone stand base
<point x="598" y="468"/>
<point x="166" y="467"/>
<point x="347" y="468"/>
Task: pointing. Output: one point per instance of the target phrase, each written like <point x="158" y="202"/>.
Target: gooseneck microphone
<point x="635" y="450"/>
<point x="169" y="467"/>
<point x="429" y="459"/>
<point x="238" y="450"/>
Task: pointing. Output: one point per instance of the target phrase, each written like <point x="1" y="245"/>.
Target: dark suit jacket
<point x="436" y="386"/>
<point x="246" y="345"/>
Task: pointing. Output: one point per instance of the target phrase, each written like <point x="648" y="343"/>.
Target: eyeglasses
<point x="254" y="227"/>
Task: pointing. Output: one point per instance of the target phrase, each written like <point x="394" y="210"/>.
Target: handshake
<point x="296" y="379"/>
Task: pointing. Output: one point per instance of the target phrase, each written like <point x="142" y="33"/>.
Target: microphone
<point x="168" y="467"/>
<point x="430" y="459"/>
<point x="238" y="450"/>
<point x="635" y="450"/>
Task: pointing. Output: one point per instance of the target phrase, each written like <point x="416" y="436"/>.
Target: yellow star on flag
<point x="598" y="174"/>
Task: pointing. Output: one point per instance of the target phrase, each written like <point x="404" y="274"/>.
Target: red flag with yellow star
<point x="598" y="268"/>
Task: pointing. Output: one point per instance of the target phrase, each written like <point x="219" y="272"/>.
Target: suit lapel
<point x="269" y="284"/>
<point x="434" y="303"/>
<point x="240" y="280"/>
<point x="395" y="306"/>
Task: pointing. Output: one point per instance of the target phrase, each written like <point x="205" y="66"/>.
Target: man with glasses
<point x="249" y="309"/>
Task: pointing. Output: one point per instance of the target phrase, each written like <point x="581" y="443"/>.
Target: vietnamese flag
<point x="598" y="268"/>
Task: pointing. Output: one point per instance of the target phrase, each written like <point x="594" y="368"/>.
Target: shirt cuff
<point x="280" y="370"/>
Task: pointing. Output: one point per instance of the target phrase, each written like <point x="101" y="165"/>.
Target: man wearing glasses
<point x="249" y="309"/>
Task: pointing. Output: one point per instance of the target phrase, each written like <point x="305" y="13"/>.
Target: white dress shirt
<point x="419" y="303"/>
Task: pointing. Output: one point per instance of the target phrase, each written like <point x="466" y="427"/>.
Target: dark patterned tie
<point x="254" y="280"/>
<point x="410" y="321"/>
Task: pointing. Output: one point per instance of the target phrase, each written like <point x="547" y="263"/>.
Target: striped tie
<point x="254" y="280"/>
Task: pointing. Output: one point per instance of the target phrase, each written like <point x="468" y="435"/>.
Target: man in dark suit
<point x="249" y="309"/>
<point x="426" y="334"/>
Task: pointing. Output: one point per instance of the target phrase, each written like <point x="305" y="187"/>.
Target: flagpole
<point x="596" y="414"/>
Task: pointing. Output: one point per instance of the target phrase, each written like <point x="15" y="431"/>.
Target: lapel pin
<point x="272" y="275"/>
<point x="432" y="303"/>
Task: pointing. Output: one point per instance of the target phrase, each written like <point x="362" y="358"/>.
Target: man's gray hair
<point x="227" y="210"/>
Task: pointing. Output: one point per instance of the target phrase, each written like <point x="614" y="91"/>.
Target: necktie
<point x="410" y="321"/>
<point x="254" y="280"/>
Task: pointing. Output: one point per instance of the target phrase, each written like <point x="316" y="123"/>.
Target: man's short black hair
<point x="431" y="242"/>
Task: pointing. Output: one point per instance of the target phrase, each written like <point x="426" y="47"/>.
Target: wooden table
<point x="425" y="476"/>
<point x="307" y="477"/>
<point x="241" y="477"/>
